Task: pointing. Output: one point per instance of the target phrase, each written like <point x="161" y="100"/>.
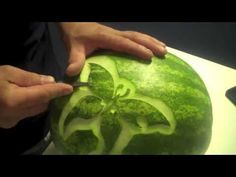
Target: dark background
<point x="215" y="41"/>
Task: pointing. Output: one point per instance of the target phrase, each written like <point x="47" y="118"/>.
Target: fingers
<point x="146" y="36"/>
<point x="76" y="61"/>
<point x="84" y="38"/>
<point x="121" y="44"/>
<point x="157" y="47"/>
<point x="24" y="78"/>
<point x="40" y="94"/>
<point x="17" y="103"/>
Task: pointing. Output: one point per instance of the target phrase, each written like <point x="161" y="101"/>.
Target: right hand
<point x="24" y="94"/>
<point x="82" y="39"/>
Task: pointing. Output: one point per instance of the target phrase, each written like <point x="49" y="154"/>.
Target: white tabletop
<point x="218" y="79"/>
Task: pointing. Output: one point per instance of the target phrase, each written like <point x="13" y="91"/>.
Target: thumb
<point x="76" y="60"/>
<point x="25" y="78"/>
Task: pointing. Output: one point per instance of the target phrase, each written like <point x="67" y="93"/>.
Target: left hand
<point x="81" y="39"/>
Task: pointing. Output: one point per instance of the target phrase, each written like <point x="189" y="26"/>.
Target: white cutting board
<point x="218" y="79"/>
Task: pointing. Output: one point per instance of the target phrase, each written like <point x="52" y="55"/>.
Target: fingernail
<point x="47" y="79"/>
<point x="164" y="50"/>
<point x="67" y="90"/>
<point x="161" y="52"/>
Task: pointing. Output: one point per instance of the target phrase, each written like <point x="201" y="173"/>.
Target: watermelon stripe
<point x="136" y="108"/>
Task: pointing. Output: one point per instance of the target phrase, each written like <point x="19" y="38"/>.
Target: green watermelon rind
<point x="189" y="137"/>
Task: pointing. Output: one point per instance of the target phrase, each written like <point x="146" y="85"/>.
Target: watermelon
<point x="134" y="107"/>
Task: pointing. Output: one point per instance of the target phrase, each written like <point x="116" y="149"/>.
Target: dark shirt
<point x="27" y="46"/>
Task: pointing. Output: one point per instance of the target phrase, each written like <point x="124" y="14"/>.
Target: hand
<point x="82" y="39"/>
<point x="24" y="94"/>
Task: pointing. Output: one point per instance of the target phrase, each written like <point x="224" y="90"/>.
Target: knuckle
<point x="101" y="34"/>
<point x="132" y="34"/>
<point x="32" y="78"/>
<point x="101" y="30"/>
<point x="97" y="27"/>
<point x="6" y="68"/>
<point x="35" y="78"/>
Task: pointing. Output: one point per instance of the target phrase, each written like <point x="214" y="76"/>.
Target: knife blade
<point x="76" y="84"/>
<point x="80" y="84"/>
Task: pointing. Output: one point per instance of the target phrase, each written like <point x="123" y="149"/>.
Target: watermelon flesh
<point x="134" y="107"/>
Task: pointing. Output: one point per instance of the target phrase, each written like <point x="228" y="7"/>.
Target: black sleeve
<point x="27" y="46"/>
<point x="14" y="37"/>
